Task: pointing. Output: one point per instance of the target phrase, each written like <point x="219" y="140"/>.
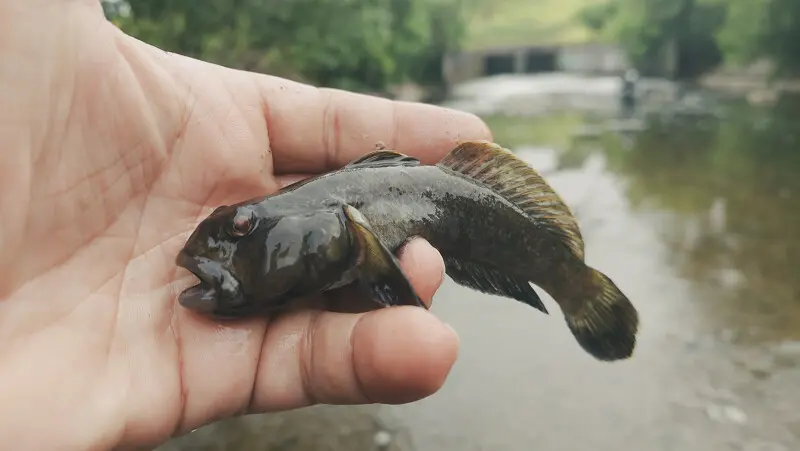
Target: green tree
<point x="652" y="30"/>
<point x="703" y="33"/>
<point x="758" y="29"/>
<point x="353" y="44"/>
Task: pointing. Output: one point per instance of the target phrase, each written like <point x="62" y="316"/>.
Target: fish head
<point x="249" y="259"/>
<point x="219" y="252"/>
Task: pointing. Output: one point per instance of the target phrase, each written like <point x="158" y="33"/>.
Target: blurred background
<point x="669" y="126"/>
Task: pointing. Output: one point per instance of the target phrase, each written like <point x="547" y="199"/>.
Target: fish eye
<point x="242" y="224"/>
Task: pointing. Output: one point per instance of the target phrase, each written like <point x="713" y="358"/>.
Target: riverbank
<point x="753" y="82"/>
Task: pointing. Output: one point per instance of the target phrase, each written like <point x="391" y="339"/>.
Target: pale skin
<point x="111" y="151"/>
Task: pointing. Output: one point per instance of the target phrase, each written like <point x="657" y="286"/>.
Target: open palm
<point x="112" y="151"/>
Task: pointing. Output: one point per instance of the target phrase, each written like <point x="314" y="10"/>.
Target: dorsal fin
<point x="520" y="184"/>
<point x="380" y="158"/>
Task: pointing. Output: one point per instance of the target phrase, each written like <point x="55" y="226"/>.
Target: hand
<point x="112" y="151"/>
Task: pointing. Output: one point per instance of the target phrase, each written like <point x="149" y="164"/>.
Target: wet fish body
<point x="496" y="222"/>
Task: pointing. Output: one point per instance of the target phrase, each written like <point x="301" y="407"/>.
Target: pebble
<point x="383" y="439"/>
<point x="727" y="413"/>
<point x="789" y="348"/>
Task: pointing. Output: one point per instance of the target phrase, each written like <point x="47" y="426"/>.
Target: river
<point x="691" y="203"/>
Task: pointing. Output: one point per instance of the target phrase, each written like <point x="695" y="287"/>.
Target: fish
<point x="499" y="226"/>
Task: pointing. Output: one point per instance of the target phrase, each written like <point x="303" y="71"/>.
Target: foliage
<point x="650" y="29"/>
<point x="758" y="29"/>
<point x="596" y="15"/>
<point x="508" y="23"/>
<point x="703" y="33"/>
<point x="353" y="44"/>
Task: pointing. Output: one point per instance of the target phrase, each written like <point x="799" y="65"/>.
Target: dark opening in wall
<point x="498" y="64"/>
<point x="540" y="61"/>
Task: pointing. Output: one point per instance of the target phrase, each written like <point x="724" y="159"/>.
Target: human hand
<point x="112" y="151"/>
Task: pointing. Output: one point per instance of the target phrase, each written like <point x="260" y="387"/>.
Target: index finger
<point x="314" y="130"/>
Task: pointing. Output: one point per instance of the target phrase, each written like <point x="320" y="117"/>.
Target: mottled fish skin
<point x="490" y="242"/>
<point x="463" y="220"/>
<point x="458" y="217"/>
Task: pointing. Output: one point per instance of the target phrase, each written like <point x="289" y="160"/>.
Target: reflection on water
<point x="730" y="193"/>
<point x="721" y="193"/>
<point x="695" y="217"/>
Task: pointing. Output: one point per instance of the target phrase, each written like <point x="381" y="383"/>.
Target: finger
<point x="285" y="180"/>
<point x="314" y="130"/>
<point x="422" y="265"/>
<point x="389" y="356"/>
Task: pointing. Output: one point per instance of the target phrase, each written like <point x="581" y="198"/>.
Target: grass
<point x="497" y="23"/>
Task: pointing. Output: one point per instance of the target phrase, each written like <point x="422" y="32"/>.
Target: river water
<point x="691" y="203"/>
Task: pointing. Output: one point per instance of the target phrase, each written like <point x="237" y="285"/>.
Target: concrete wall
<point x="578" y="58"/>
<point x="592" y="58"/>
<point x="459" y="67"/>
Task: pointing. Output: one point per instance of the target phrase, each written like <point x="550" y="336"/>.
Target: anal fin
<point x="491" y="281"/>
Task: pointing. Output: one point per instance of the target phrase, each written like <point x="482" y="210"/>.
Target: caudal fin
<point x="604" y="321"/>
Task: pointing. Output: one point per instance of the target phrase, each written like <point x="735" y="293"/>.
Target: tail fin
<point x="600" y="317"/>
<point x="604" y="321"/>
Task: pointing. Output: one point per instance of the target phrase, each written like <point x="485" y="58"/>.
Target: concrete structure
<point x="587" y="58"/>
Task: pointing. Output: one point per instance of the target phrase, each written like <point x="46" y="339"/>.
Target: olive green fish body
<point x="464" y="220"/>
<point x="496" y="222"/>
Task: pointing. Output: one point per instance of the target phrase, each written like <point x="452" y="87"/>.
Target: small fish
<point x="496" y="222"/>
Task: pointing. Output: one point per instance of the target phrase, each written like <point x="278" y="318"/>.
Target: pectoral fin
<point x="379" y="270"/>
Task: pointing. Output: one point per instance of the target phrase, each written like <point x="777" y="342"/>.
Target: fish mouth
<point x="217" y="285"/>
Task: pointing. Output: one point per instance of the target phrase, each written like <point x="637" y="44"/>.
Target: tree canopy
<point x="353" y="44"/>
<point x="703" y="33"/>
<point x="367" y="45"/>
